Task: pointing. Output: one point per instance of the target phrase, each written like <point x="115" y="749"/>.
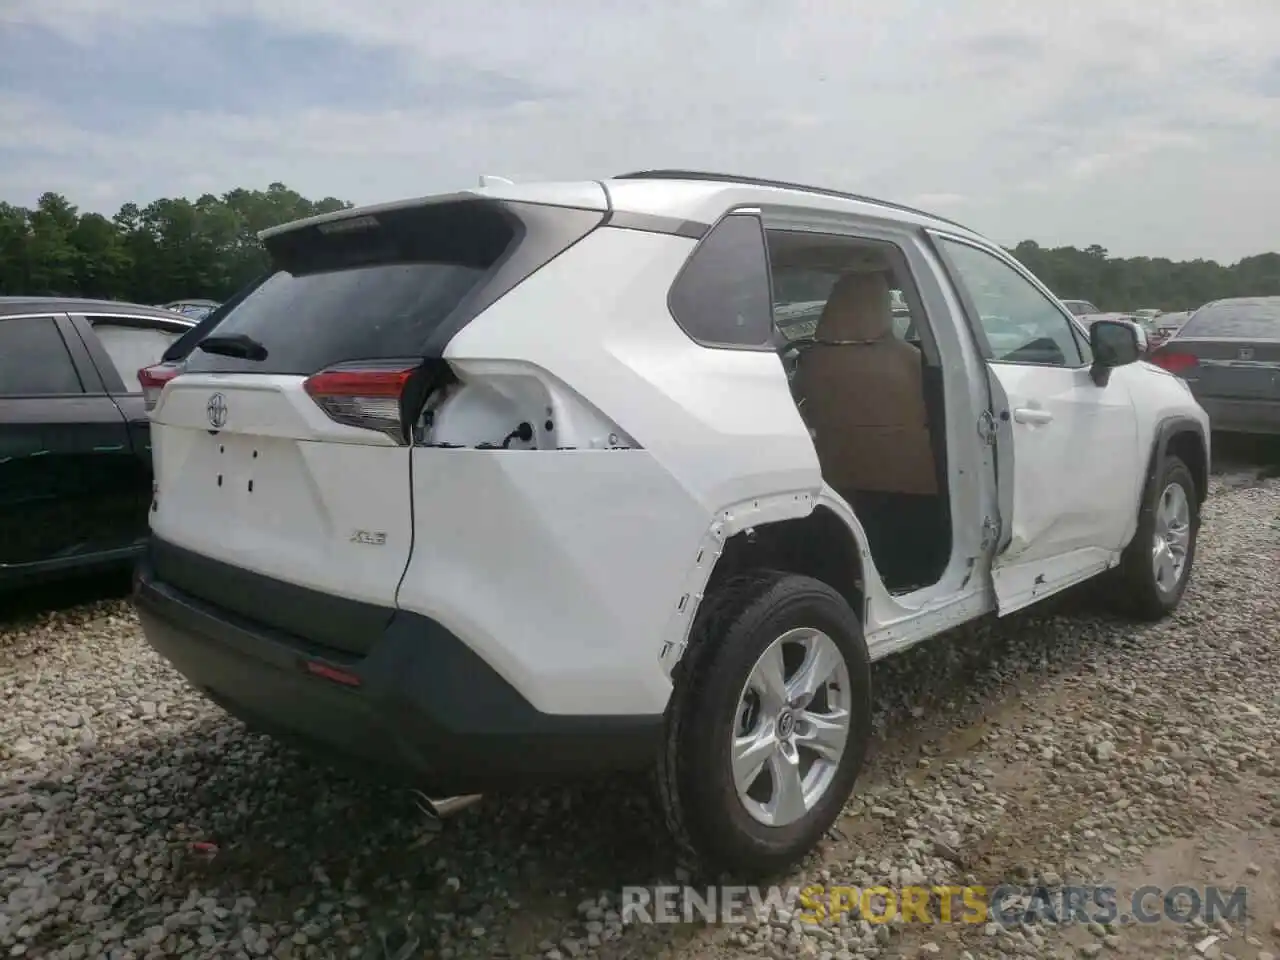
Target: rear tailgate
<point x="278" y="490"/>
<point x="1229" y="350"/>
<point x="1234" y="369"/>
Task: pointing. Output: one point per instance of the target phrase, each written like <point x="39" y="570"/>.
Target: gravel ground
<point x="137" y="820"/>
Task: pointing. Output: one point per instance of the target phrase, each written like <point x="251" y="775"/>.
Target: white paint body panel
<point x="1157" y="396"/>
<point x="1072" y="440"/>
<point x="562" y="569"/>
<point x="1079" y="476"/>
<point x="722" y="422"/>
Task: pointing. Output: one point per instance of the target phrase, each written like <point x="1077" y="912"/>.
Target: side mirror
<point x="1115" y="343"/>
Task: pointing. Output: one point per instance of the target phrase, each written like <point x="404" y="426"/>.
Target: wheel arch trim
<point x="1166" y="430"/>
<point x="743" y="519"/>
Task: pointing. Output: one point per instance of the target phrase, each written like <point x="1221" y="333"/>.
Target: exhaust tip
<point x="441" y="808"/>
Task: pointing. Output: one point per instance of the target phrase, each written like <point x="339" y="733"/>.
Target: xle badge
<point x="376" y="539"/>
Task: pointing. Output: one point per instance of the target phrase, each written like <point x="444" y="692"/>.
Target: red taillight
<point x="334" y="674"/>
<point x="153" y="379"/>
<point x="1175" y="362"/>
<point x="363" y="395"/>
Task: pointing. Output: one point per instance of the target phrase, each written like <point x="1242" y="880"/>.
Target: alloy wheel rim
<point x="791" y="727"/>
<point x="1171" y="540"/>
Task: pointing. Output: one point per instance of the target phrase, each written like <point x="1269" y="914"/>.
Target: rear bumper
<point x="17" y="575"/>
<point x="427" y="711"/>
<point x="1242" y="416"/>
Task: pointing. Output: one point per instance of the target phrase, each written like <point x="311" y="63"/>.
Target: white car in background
<point x="490" y="487"/>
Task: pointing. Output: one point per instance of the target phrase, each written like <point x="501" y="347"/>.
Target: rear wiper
<point x="237" y="345"/>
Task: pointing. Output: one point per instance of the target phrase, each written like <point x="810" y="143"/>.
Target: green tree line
<point x="208" y="247"/>
<point x="167" y="250"/>
<point x="1133" y="283"/>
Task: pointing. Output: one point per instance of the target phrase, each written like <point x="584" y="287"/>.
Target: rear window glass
<point x="310" y="322"/>
<point x="364" y="288"/>
<point x="185" y="343"/>
<point x="1244" y="319"/>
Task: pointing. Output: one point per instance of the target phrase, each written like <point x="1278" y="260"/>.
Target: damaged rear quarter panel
<point x="590" y="553"/>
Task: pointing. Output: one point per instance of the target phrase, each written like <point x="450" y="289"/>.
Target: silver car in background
<point x="1166" y="325"/>
<point x="195" y="310"/>
<point x="1080" y="308"/>
<point x="1229" y="354"/>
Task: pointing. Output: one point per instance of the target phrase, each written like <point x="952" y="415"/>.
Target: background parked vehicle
<point x="797" y="320"/>
<point x="195" y="310"/>
<point x="75" y="443"/>
<point x="1229" y="354"/>
<point x="169" y="364"/>
<point x="1089" y="319"/>
<point x="1080" y="307"/>
<point x="1166" y="325"/>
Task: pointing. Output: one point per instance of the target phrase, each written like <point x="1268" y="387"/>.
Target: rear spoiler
<point x="367" y="211"/>
<point x="580" y="195"/>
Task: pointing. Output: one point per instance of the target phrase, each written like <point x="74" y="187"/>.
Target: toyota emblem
<point x="217" y="410"/>
<point x="1246" y="353"/>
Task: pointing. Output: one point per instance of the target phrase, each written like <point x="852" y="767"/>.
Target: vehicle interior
<point x="867" y="379"/>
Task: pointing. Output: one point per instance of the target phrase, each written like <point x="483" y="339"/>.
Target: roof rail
<point x="702" y="175"/>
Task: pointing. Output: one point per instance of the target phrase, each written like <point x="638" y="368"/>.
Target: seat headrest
<point x="859" y="308"/>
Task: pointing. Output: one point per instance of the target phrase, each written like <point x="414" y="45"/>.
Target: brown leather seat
<point x="863" y="391"/>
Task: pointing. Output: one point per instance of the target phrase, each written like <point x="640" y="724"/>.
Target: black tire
<point x="1134" y="587"/>
<point x="734" y="625"/>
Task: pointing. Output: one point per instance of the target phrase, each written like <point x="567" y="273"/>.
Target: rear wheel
<point x="769" y="723"/>
<point x="1156" y="566"/>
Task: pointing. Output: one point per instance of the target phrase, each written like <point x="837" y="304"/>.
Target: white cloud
<point x="1143" y="128"/>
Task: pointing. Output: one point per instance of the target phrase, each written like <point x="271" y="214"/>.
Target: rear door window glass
<point x="34" y="360"/>
<point x="132" y="347"/>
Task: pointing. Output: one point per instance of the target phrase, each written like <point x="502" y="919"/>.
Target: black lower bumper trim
<point x="335" y="622"/>
<point x="427" y="710"/>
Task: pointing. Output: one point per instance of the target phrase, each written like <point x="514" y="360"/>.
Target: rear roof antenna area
<point x="489" y="181"/>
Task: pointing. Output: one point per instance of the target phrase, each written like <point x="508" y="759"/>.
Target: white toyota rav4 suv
<point x="525" y="482"/>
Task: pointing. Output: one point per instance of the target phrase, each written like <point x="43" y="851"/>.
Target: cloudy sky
<point x="1151" y="127"/>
